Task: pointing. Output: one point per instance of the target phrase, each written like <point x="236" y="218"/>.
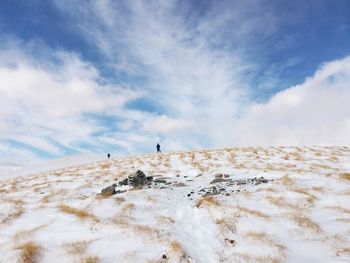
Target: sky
<point x="97" y="77"/>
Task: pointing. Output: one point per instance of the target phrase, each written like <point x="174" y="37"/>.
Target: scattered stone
<point x="108" y="191"/>
<point x="164" y="257"/>
<point x="219" y="180"/>
<point x="181" y="184"/>
<point x="230" y="241"/>
<point x="188" y="195"/>
<point x="161" y="181"/>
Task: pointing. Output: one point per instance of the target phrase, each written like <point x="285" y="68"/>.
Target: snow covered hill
<point x="276" y="204"/>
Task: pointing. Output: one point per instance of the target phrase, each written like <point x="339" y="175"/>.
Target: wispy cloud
<point x="167" y="72"/>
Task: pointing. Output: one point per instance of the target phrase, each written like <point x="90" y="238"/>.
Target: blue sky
<point x="119" y="76"/>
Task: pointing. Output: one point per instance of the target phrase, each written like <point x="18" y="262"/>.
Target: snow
<point x="301" y="214"/>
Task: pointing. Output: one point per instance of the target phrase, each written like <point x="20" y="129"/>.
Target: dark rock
<point x="120" y="191"/>
<point x="179" y="184"/>
<point x="164" y="257"/>
<point x="139" y="180"/>
<point x="161" y="181"/>
<point x="219" y="180"/>
<point x="188" y="195"/>
<point x="124" y="182"/>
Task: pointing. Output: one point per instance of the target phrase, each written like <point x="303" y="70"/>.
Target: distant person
<point x="108" y="155"/>
<point x="158" y="148"/>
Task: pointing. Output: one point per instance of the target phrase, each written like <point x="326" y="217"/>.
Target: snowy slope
<point x="276" y="204"/>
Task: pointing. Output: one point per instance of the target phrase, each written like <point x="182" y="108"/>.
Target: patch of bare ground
<point x="206" y="201"/>
<point x="30" y="252"/>
<point x="80" y="213"/>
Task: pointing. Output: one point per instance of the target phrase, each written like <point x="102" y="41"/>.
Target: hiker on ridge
<point x="158" y="148"/>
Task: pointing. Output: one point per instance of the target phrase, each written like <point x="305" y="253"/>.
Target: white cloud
<point x="314" y="112"/>
<point x="195" y="75"/>
<point x="45" y="102"/>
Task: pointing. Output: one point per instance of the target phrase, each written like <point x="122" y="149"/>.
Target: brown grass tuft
<point x="76" y="247"/>
<point x="226" y="224"/>
<point x="286" y="180"/>
<point x="30" y="252"/>
<point x="345" y="176"/>
<point x="342" y="251"/>
<point x="206" y="200"/>
<point x="252" y="212"/>
<point x="128" y="207"/>
<point x="305" y="222"/>
<point x="82" y="214"/>
<point x="90" y="260"/>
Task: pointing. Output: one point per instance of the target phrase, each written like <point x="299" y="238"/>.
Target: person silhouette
<point x="158" y="148"/>
<point x="108" y="155"/>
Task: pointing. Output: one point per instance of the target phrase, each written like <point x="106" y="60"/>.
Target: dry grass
<point x="345" y="250"/>
<point x="80" y="213"/>
<point x="286" y="180"/>
<point x="30" y="252"/>
<point x="345" y="176"/>
<point x="145" y="230"/>
<point x="121" y="221"/>
<point x="18" y="211"/>
<point x="279" y="201"/>
<point x="226" y="224"/>
<point x="128" y="208"/>
<point x="177" y="249"/>
<point x="118" y="200"/>
<point x="261" y="259"/>
<point x="90" y="260"/>
<point x="340" y="209"/>
<point x="268" y="189"/>
<point x="252" y="212"/>
<point x="166" y="219"/>
<point x="76" y="247"/>
<point x="310" y="197"/>
<point x="306" y="223"/>
<point x="206" y="201"/>
<point x="26" y="234"/>
<point x="318" y="189"/>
